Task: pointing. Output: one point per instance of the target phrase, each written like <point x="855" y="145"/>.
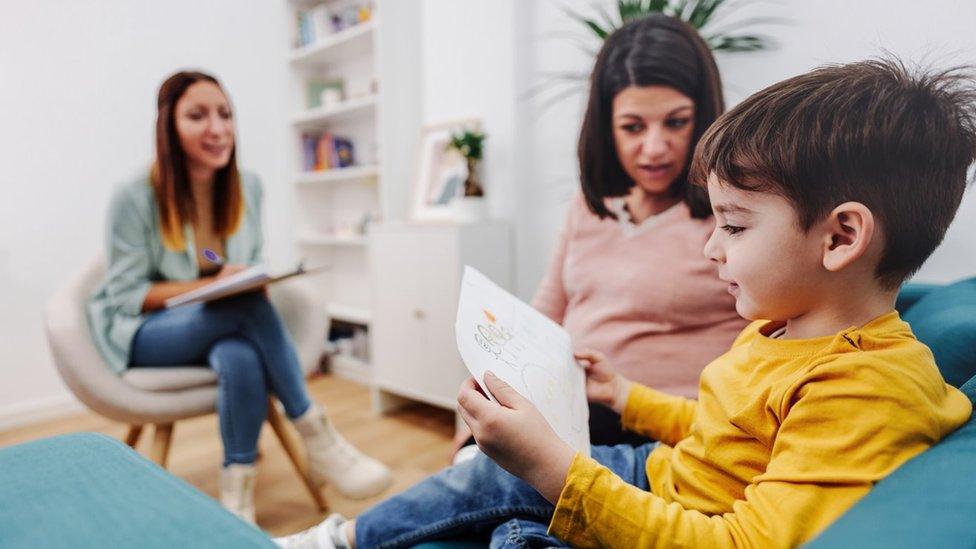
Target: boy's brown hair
<point x="896" y="140"/>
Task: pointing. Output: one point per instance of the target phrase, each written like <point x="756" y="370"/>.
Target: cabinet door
<point x="396" y="332"/>
<point x="417" y="278"/>
<point x="443" y="370"/>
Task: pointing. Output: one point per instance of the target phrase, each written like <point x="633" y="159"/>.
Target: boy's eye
<point x="732" y="229"/>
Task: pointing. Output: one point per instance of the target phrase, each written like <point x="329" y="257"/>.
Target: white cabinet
<point x="416" y="277"/>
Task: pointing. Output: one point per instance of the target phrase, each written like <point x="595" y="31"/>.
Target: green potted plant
<point x="714" y="20"/>
<point x="469" y="143"/>
<point x="704" y="15"/>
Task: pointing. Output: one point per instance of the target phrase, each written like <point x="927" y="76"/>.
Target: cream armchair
<point x="162" y="396"/>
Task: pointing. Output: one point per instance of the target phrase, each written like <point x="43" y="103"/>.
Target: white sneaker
<point x="332" y="459"/>
<point x="324" y="535"/>
<point x="237" y="490"/>
<point x="466" y="453"/>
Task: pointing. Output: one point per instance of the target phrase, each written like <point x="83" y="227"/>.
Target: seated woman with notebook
<point x="159" y="225"/>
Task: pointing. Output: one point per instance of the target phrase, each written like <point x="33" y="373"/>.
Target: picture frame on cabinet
<point x="440" y="172"/>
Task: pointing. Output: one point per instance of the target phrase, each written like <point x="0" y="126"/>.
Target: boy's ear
<point x="849" y="229"/>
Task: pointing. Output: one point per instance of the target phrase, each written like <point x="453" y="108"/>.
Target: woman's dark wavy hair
<point x="654" y="50"/>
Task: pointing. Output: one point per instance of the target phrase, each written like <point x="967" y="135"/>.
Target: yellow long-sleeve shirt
<point x="785" y="437"/>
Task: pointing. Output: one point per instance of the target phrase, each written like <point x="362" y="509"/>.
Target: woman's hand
<point x="159" y="292"/>
<point x="603" y="385"/>
<point x="228" y="270"/>
<point x="514" y="434"/>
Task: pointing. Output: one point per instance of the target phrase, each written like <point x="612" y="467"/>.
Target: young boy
<point x="829" y="189"/>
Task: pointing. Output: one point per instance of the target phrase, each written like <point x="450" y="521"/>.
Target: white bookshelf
<point x="349" y="109"/>
<point x="336" y="47"/>
<point x="364" y="174"/>
<point x="351" y="313"/>
<point x="379" y="62"/>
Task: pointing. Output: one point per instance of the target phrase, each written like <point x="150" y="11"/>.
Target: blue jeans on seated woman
<point x="246" y="343"/>
<point x="479" y="499"/>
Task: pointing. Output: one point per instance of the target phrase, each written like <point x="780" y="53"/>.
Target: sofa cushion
<point x="88" y="490"/>
<point x="945" y="320"/>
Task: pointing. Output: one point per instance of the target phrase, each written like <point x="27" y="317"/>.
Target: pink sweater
<point x="644" y="295"/>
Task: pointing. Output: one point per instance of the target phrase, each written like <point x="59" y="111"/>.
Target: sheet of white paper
<point x="496" y="331"/>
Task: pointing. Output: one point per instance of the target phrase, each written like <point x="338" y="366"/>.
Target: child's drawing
<point x="498" y="332"/>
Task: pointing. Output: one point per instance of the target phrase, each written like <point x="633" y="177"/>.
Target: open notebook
<point x="248" y="280"/>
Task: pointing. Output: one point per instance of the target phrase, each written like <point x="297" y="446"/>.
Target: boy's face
<point x="773" y="268"/>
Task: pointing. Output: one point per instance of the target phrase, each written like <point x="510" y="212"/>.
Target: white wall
<point x="470" y="71"/>
<point x="822" y="31"/>
<point x="78" y="83"/>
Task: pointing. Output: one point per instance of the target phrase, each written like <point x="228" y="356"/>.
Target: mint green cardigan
<point x="137" y="258"/>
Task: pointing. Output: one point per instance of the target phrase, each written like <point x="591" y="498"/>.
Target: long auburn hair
<point x="654" y="50"/>
<point x="170" y="176"/>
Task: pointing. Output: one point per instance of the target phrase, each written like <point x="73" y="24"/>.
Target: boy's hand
<point x="514" y="434"/>
<point x="603" y="385"/>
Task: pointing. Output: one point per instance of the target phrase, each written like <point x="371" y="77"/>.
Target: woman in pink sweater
<point x="628" y="277"/>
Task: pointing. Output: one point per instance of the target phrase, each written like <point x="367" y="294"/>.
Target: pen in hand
<point x="213" y="257"/>
<point x="225" y="268"/>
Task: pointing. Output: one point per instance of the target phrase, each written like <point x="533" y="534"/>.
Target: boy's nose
<point x="713" y="251"/>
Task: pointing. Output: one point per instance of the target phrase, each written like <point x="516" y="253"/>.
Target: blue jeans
<point x="479" y="498"/>
<point x="245" y="342"/>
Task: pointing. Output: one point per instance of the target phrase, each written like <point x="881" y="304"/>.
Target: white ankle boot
<point x="237" y="490"/>
<point x="332" y="459"/>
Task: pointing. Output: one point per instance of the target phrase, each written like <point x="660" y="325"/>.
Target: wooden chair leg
<point x="162" y="434"/>
<point x="294" y="453"/>
<point x="132" y="437"/>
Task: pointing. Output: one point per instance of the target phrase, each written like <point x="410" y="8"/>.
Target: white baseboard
<point x="25" y="413"/>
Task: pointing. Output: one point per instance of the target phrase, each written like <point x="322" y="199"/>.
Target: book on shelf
<point x="323" y="152"/>
<point x="326" y="152"/>
<point x="309" y="145"/>
<point x="314" y="25"/>
<point x="320" y="22"/>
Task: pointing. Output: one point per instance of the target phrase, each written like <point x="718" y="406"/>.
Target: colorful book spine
<point x="342" y="152"/>
<point x="325" y="152"/>
<point x="309" y="144"/>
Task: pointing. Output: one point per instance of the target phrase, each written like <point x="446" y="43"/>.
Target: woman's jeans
<point x="245" y="342"/>
<point x="479" y="498"/>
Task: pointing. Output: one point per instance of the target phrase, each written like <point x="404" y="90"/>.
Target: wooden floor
<point x="414" y="442"/>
